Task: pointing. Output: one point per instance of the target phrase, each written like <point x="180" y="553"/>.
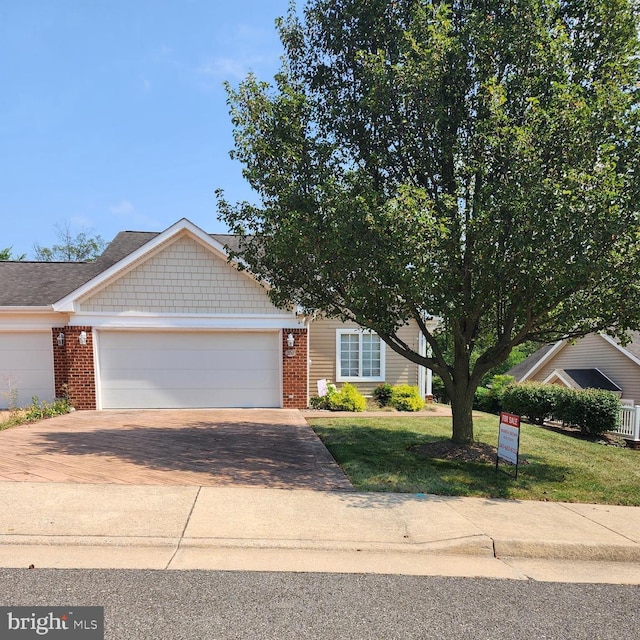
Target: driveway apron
<point x="202" y="447"/>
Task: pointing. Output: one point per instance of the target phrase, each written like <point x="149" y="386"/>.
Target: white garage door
<point x="173" y="370"/>
<point x="26" y="368"/>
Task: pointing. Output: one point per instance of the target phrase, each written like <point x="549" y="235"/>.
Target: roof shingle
<point x="41" y="284"/>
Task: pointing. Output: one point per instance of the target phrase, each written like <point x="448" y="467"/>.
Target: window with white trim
<point x="359" y="356"/>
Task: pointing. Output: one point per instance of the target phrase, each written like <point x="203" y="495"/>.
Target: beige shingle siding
<point x="185" y="277"/>
<point x="594" y="352"/>
<point x="398" y="370"/>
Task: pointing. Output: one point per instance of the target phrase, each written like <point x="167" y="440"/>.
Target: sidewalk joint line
<point x="604" y="526"/>
<point x="184" y="529"/>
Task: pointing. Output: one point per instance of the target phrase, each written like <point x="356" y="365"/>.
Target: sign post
<point x="509" y="439"/>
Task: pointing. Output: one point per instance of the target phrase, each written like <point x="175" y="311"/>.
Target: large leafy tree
<point x="475" y="160"/>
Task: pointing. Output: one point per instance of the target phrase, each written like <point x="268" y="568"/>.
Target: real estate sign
<point x="509" y="439"/>
<point x="323" y="388"/>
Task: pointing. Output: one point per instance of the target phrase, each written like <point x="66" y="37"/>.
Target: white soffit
<point x="241" y="322"/>
<point x="30" y="319"/>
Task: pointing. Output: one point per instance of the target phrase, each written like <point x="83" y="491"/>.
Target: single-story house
<point x="596" y="361"/>
<point x="163" y="320"/>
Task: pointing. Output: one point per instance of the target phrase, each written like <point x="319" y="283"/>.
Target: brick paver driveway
<point x="204" y="447"/>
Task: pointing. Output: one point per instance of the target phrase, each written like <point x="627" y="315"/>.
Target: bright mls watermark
<point x="68" y="623"/>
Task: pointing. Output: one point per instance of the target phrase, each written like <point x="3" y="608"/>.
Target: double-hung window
<point x="360" y="356"/>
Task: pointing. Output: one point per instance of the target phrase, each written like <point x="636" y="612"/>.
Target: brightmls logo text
<point x="69" y="623"/>
<point x="41" y="626"/>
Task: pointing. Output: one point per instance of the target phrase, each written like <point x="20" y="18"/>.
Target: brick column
<point x="81" y="381"/>
<point x="60" y="370"/>
<point x="294" y="370"/>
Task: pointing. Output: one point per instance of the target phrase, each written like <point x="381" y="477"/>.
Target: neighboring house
<point x="162" y="320"/>
<point x="596" y="361"/>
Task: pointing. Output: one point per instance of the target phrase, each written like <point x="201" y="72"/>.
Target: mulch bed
<point x="448" y="450"/>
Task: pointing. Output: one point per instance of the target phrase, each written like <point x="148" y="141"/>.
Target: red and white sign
<point x="509" y="437"/>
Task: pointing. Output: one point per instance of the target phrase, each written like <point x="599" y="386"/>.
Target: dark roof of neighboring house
<point x="592" y="379"/>
<point x="529" y="362"/>
<point x="40" y="284"/>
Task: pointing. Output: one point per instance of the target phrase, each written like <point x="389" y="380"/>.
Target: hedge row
<point x="593" y="411"/>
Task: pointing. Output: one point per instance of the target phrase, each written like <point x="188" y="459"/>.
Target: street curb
<point x="474" y="546"/>
<point x="567" y="551"/>
<point x="471" y="546"/>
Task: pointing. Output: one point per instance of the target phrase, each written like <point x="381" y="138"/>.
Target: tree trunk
<point x="462" y="388"/>
<point x="461" y="407"/>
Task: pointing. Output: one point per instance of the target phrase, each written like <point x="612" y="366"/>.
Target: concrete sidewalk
<point x="245" y="528"/>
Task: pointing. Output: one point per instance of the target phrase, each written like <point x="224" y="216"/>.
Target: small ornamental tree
<point x="474" y="160"/>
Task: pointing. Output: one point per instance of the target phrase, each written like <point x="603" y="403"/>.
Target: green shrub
<point x="531" y="399"/>
<point x="489" y="398"/>
<point x="568" y="408"/>
<point x="38" y="410"/>
<point x="382" y="394"/>
<point x="406" y="398"/>
<point x="601" y="411"/>
<point x="593" y="411"/>
<point x="500" y="382"/>
<point x="438" y="391"/>
<point x="347" y="399"/>
<point x="485" y="400"/>
<point x="318" y="402"/>
<point x="323" y="402"/>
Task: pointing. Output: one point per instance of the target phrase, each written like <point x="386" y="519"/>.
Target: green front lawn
<point x="375" y="455"/>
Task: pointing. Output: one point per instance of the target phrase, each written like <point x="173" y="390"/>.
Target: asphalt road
<point x="194" y="605"/>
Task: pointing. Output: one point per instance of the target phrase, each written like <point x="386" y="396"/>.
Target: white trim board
<point x="242" y="322"/>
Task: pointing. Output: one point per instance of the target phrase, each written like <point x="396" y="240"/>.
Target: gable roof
<point x="528" y="367"/>
<point x="41" y="284"/>
<point x="520" y="371"/>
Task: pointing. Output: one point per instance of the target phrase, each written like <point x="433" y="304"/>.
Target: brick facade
<point x="294" y="370"/>
<point x="73" y="367"/>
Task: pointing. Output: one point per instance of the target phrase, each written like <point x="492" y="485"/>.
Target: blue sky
<point x="113" y="115"/>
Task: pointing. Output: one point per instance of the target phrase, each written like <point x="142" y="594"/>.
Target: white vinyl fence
<point x="629" y="423"/>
